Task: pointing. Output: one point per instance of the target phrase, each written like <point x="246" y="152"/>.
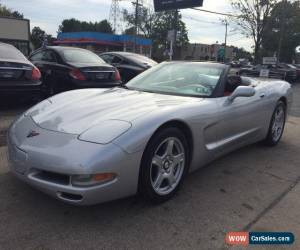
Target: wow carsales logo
<point x="259" y="238"/>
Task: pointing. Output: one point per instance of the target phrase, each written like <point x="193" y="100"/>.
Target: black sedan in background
<point x="17" y="74"/>
<point x="66" y="68"/>
<point x="275" y="71"/>
<point x="128" y="64"/>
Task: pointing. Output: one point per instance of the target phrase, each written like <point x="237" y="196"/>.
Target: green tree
<point x="130" y="31"/>
<point x="284" y="26"/>
<point x="144" y="22"/>
<point x="39" y="36"/>
<point x="6" y="12"/>
<point x="103" y="26"/>
<point x="155" y="26"/>
<point x="252" y="18"/>
<point x="74" y="25"/>
<point x="161" y="25"/>
<point x="241" y="53"/>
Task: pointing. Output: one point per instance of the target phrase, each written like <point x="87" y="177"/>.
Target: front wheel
<point x="164" y="165"/>
<point x="277" y="125"/>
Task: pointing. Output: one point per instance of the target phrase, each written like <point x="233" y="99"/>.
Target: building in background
<point x="213" y="52"/>
<point x="103" y="42"/>
<point x="16" y="32"/>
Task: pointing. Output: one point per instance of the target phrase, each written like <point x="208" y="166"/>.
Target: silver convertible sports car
<point x="96" y="145"/>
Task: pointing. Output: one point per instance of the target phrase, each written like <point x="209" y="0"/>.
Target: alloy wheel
<point x="167" y="166"/>
<point x="278" y="123"/>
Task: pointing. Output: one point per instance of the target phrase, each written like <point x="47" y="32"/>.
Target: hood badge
<point x="32" y="133"/>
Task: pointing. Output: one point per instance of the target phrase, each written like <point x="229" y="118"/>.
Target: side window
<point x="107" y="58"/>
<point x="49" y="56"/>
<point x="37" y="57"/>
<point x="116" y="60"/>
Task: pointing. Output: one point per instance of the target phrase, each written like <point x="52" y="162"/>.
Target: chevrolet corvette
<point x="96" y="145"/>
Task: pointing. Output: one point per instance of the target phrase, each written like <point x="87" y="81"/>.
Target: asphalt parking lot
<point x="253" y="189"/>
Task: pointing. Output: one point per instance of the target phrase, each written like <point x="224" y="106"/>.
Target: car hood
<point x="76" y="111"/>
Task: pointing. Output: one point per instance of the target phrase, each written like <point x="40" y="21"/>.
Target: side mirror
<point x="242" y="91"/>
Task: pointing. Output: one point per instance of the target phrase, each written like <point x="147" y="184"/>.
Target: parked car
<point x="128" y="64"/>
<point x="275" y="71"/>
<point x="294" y="67"/>
<point x="17" y="74"/>
<point x="291" y="71"/>
<point x="65" y="68"/>
<point x="297" y="66"/>
<point x="235" y="64"/>
<point x="89" y="146"/>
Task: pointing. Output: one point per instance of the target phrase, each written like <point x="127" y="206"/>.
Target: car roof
<point x="61" y="48"/>
<point x="58" y="48"/>
<point x="8" y="45"/>
<point x="122" y="53"/>
<point x="11" y="53"/>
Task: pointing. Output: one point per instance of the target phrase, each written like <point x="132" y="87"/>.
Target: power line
<point x="234" y="34"/>
<point x="202" y="21"/>
<point x="215" y="12"/>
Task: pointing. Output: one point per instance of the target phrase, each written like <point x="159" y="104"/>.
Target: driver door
<point x="241" y="121"/>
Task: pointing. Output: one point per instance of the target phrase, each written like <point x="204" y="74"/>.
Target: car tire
<point x="277" y="125"/>
<point x="164" y="165"/>
<point x="49" y="87"/>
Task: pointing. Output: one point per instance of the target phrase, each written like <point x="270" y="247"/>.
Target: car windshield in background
<point x="188" y="79"/>
<point x="142" y="59"/>
<point x="81" y="56"/>
<point x="10" y="53"/>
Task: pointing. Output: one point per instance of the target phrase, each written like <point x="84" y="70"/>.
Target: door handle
<point x="262" y="95"/>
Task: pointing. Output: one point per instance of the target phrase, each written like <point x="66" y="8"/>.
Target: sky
<point x="202" y="27"/>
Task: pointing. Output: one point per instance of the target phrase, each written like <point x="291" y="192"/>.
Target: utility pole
<point x="225" y="44"/>
<point x="282" y="26"/>
<point x="137" y="4"/>
<point x="175" y="33"/>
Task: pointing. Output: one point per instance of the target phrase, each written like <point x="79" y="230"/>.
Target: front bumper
<point x="60" y="156"/>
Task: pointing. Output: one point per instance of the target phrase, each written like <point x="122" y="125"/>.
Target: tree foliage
<point x="252" y="19"/>
<point x="38" y="37"/>
<point x="241" y="53"/>
<point x="74" y="25"/>
<point x="155" y="26"/>
<point x="6" y="12"/>
<point x="284" y="21"/>
<point x="144" y="22"/>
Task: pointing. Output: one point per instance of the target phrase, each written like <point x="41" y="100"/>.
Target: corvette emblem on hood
<point x="32" y="133"/>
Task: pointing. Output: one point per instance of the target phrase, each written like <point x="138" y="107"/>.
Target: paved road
<point x="254" y="189"/>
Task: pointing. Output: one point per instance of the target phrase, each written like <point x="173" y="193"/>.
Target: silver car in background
<point x="96" y="145"/>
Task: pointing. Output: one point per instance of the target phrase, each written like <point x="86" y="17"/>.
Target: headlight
<point x="92" y="179"/>
<point x="105" y="132"/>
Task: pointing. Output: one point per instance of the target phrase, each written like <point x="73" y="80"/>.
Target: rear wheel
<point x="49" y="88"/>
<point x="164" y="165"/>
<point x="277" y="125"/>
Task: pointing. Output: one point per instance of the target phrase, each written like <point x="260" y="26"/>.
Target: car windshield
<point x="188" y="79"/>
<point x="81" y="56"/>
<point x="142" y="59"/>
